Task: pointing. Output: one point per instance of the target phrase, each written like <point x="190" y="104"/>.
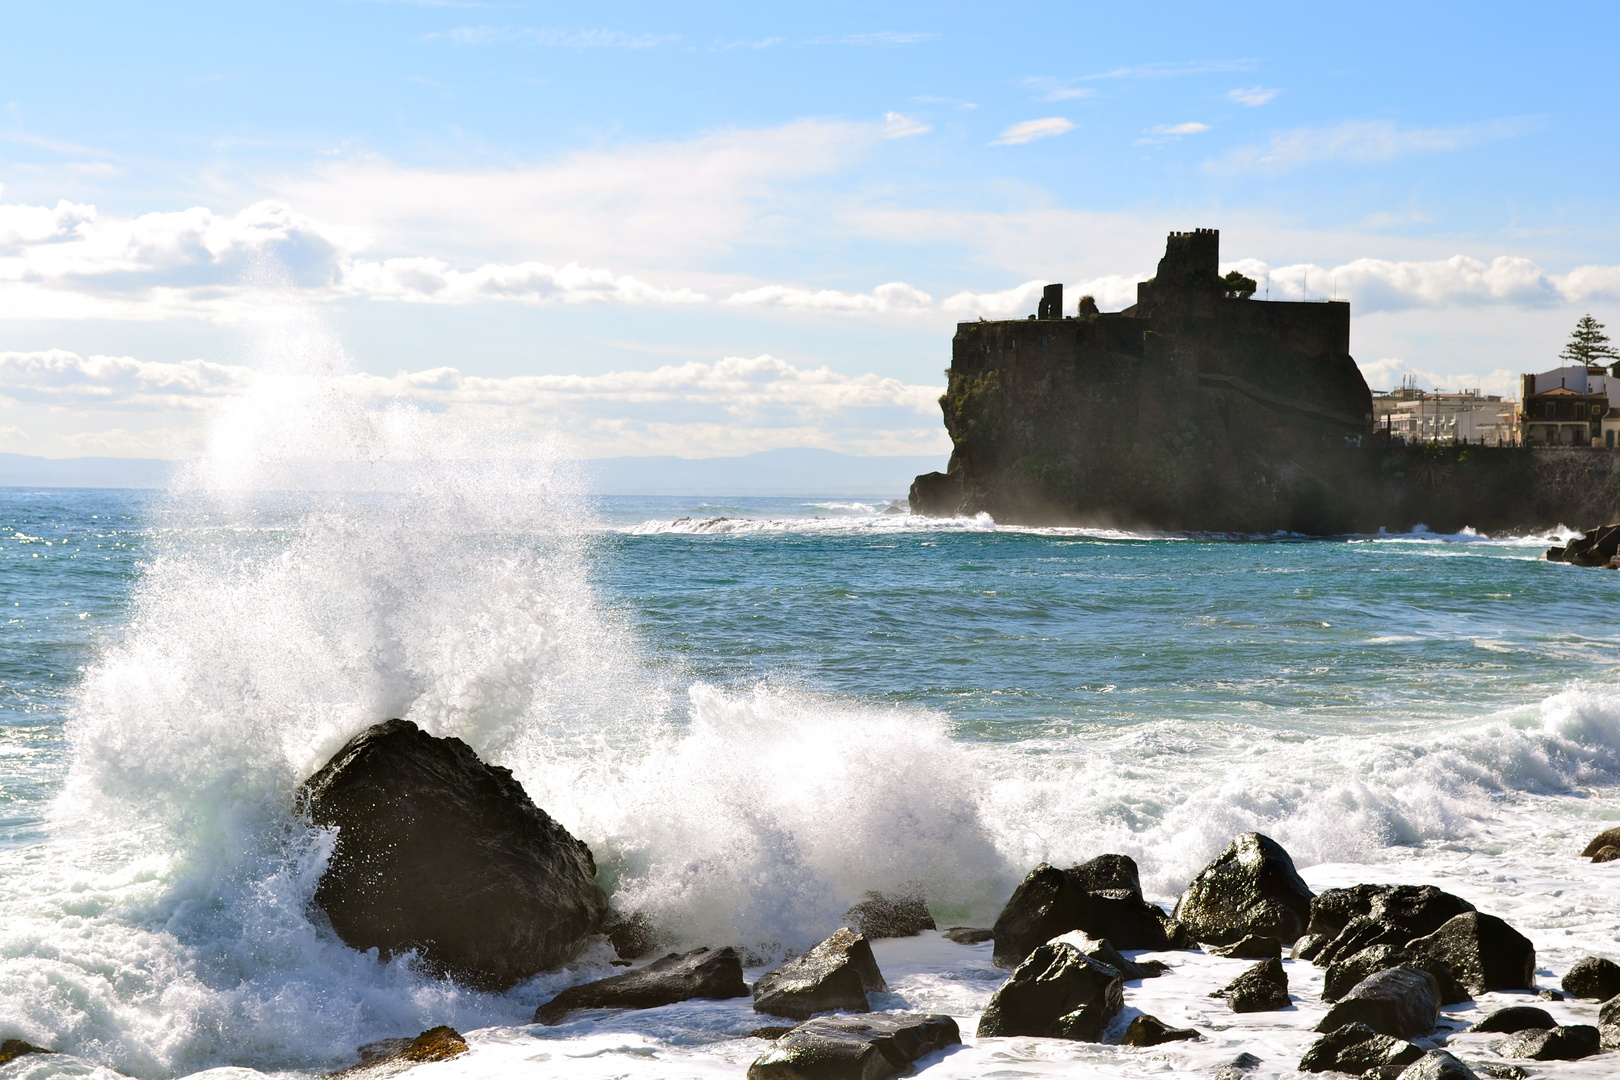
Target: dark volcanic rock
<point x="1251" y="889"/>
<point x="1606" y="838"/>
<point x="632" y="936"/>
<point x="1250" y="948"/>
<point x="1147" y="1030"/>
<point x="1610" y="1012"/>
<point x="854" y="1047"/>
<point x="1237" y="1067"/>
<point x="1553" y="1044"/>
<point x="1263" y="988"/>
<point x="835" y="975"/>
<point x="771" y="1032"/>
<point x="1593" y="548"/>
<point x="969" y="935"/>
<point x="1484" y="953"/>
<point x="1103" y="951"/>
<point x="1344" y="975"/>
<point x="1593" y="977"/>
<point x="1357" y="1049"/>
<point x="1606" y="854"/>
<point x="1359" y="934"/>
<point x="16" y="1048"/>
<point x="1438" y="1065"/>
<point x="439" y="852"/>
<point x="1105" y="872"/>
<point x="1057" y="992"/>
<point x="1515" y="1018"/>
<point x="1122" y="917"/>
<point x="391" y="1056"/>
<point x="702" y="973"/>
<point x="1041" y="908"/>
<point x="879" y="916"/>
<point x="1398" y="1001"/>
<point x="1346" y="921"/>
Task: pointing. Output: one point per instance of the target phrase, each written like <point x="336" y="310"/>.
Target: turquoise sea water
<point x="752" y="710"/>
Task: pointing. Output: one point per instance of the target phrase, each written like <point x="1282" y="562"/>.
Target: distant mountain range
<point x="796" y="471"/>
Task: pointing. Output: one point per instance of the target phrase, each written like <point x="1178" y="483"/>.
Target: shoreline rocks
<point x="1057" y="992"/>
<point x="854" y="1047"/>
<point x="439" y="852"/>
<point x="1263" y="988"/>
<point x="1101" y="898"/>
<point x="715" y="974"/>
<point x="836" y="975"/>
<point x="1251" y="889"/>
<point x="1483" y="952"/>
<point x="390" y="1056"/>
<point x="1399" y="1001"/>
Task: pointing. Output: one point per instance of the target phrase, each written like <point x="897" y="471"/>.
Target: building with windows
<point x="1569" y="406"/>
<point x="1410" y="416"/>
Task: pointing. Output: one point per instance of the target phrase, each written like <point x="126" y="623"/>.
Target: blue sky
<point x="720" y="228"/>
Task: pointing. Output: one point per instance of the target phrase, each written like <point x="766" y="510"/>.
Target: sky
<point x="714" y="229"/>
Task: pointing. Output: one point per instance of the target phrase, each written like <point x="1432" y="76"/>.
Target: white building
<point x="1414" y="416"/>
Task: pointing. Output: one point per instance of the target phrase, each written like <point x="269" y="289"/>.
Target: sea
<point x="754" y="711"/>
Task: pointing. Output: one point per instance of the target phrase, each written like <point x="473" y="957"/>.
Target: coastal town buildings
<point x="1570" y="406"/>
<point x="1410" y="416"/>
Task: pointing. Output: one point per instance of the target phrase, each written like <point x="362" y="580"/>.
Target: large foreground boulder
<point x="715" y="974"/>
<point x="1058" y="992"/>
<point x="1343" y="976"/>
<point x="1554" y="1044"/>
<point x="1483" y="952"/>
<point x="438" y="852"/>
<point x="1250" y="890"/>
<point x="854" y="1047"/>
<point x="1401" y="1001"/>
<point x="836" y="975"/>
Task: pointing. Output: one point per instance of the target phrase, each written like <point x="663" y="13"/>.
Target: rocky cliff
<point x="1195" y="409"/>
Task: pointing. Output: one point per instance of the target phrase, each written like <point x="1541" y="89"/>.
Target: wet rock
<point x="1359" y="934"/>
<point x="1554" y="1044"/>
<point x="854" y="1047"/>
<point x="1609" y="1035"/>
<point x="969" y="935"/>
<point x="770" y="1032"/>
<point x="879" y="916"/>
<point x="1041" y="908"/>
<point x="1593" y="977"/>
<point x="1237" y="1067"/>
<point x="16" y="1048"/>
<point x="1107" y="872"/>
<point x="1438" y="1065"/>
<point x="1357" y="1049"/>
<point x="1549" y="995"/>
<point x="632" y="936"/>
<point x="1103" y="951"/>
<point x="1595" y="547"/>
<point x="1610" y="1012"/>
<point x="1410" y="910"/>
<point x="1606" y="854"/>
<point x="1250" y="889"/>
<point x="439" y="852"/>
<point x="1250" y="948"/>
<point x="715" y="974"/>
<point x="1514" y="1019"/>
<point x="1484" y="953"/>
<point x="1501" y="1072"/>
<point x="1147" y="1030"/>
<point x="1401" y="1001"/>
<point x="1263" y="988"/>
<point x="1057" y="992"/>
<point x="836" y="975"/>
<point x="387" y="1057"/>
<point x="1605" y="839"/>
<point x="1345" y="974"/>
<point x="1122" y="917"/>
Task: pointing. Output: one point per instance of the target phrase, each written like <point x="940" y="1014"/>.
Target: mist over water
<point x="751" y="722"/>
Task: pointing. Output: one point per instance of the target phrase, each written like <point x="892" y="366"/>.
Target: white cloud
<point x="431" y="281"/>
<point x="57" y="377"/>
<point x="894" y="296"/>
<point x="1192" y="127"/>
<point x="1253" y="97"/>
<point x="1382" y="285"/>
<point x="1057" y="89"/>
<point x="1390" y="372"/>
<point x="897" y="126"/>
<point x="1030" y="130"/>
<point x="732" y="405"/>
<point x="1363" y="142"/>
<point x="1111" y="293"/>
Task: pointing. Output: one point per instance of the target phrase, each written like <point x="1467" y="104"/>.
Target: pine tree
<point x="1589" y="345"/>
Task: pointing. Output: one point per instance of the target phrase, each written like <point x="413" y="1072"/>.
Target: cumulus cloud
<point x="731" y="405"/>
<point x="1363" y="142"/>
<point x="1029" y="130"/>
<point x="1253" y="97"/>
<point x="1382" y="285"/>
<point x="1391" y="372"/>
<point x="432" y="281"/>
<point x="1111" y="293"/>
<point x="57" y="377"/>
<point x="896" y="126"/>
<point x="894" y="296"/>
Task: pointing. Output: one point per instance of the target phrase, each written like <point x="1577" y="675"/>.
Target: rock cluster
<point x="1595" y="547"/>
<point x="1101" y="898"/>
